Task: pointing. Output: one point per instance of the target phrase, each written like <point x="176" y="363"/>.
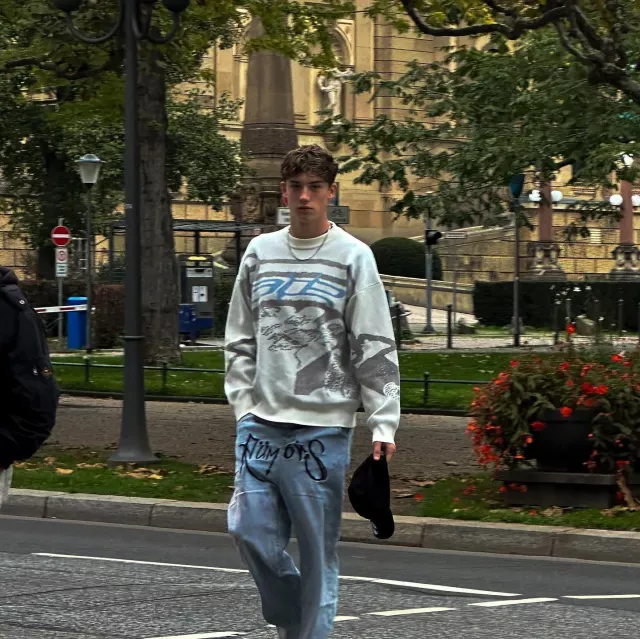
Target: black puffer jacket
<point x="28" y="391"/>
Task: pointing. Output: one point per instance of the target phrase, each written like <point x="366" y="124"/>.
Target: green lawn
<point x="475" y="498"/>
<point x="453" y="366"/>
<point x="483" y="502"/>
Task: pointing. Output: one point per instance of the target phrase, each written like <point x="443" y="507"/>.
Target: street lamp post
<point x="134" y="445"/>
<point x="515" y="186"/>
<point x="89" y="167"/>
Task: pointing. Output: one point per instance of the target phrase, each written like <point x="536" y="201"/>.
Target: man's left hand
<point x="383" y="447"/>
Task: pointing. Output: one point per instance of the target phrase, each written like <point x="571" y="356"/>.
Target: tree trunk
<point x="160" y="303"/>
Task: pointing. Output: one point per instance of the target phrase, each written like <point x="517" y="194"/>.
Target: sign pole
<point x="60" y="300"/>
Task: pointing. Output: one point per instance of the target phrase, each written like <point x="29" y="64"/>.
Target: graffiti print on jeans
<point x="256" y="449"/>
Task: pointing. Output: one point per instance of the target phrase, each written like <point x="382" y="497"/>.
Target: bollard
<point x="398" y="329"/>
<point x="596" y="304"/>
<point x="449" y="326"/>
<point x="620" y="316"/>
<point x="425" y="396"/>
<point x="556" y="322"/>
<point x="165" y="372"/>
<point x="87" y="370"/>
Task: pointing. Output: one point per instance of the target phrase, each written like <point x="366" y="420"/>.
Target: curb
<point x="416" y="532"/>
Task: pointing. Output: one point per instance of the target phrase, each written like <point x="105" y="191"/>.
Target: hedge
<point x="403" y="257"/>
<point x="493" y="302"/>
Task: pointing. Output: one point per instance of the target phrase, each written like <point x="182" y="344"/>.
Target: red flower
<point x="418" y="497"/>
<point x="627" y="363"/>
<point x="617" y="358"/>
<point x="514" y="363"/>
<point x="587" y="387"/>
<point x="570" y="383"/>
<point x="503" y="489"/>
<point x="538" y="425"/>
<point x="571" y="329"/>
<point x="601" y="389"/>
<point x="564" y="366"/>
<point x="622" y="463"/>
<point x="565" y="411"/>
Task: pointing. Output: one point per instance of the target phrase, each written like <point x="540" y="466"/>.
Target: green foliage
<point x="108" y="323"/>
<point x="509" y="412"/>
<point x="404" y="257"/>
<point x="493" y="303"/>
<point x="479" y="117"/>
<point x="223" y="288"/>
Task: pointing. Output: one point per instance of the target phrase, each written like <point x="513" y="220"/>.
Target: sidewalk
<point x="429" y="446"/>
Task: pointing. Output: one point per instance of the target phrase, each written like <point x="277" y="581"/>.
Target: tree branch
<point x="566" y="43"/>
<point x="512" y="31"/>
<point x="81" y="73"/>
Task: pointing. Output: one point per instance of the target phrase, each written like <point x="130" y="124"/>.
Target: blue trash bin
<point x="76" y="324"/>
<point x="188" y="321"/>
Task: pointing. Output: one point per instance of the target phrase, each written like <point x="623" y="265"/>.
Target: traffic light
<point x="431" y="237"/>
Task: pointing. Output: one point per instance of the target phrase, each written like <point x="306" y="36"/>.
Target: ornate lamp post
<point x="134" y="440"/>
<point x="626" y="254"/>
<point x="89" y="166"/>
<point x="547" y="251"/>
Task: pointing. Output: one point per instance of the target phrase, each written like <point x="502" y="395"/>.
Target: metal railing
<point x="87" y="365"/>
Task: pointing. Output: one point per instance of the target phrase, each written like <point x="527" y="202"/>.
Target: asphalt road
<point x="70" y="580"/>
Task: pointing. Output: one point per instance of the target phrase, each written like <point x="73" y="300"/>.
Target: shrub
<point x="403" y="257"/>
<point x="493" y="302"/>
<point x="108" y="320"/>
<point x="223" y="287"/>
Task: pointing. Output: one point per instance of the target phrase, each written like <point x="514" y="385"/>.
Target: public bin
<point x="76" y="324"/>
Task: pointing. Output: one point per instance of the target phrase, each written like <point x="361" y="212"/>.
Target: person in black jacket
<point x="28" y="391"/>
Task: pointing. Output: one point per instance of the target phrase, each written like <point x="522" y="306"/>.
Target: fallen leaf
<point x="64" y="471"/>
<point x="91" y="465"/>
<point x="402" y="495"/>
<point x="451" y="463"/>
<point x="422" y="484"/>
<point x="49" y="460"/>
<point x="552" y="512"/>
<point x="156" y="476"/>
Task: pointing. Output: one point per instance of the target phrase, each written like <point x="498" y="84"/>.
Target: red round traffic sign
<point x="61" y="236"/>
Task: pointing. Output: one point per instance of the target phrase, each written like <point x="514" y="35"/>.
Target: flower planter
<point x="564" y="444"/>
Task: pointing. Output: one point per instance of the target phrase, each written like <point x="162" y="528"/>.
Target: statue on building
<point x="331" y="85"/>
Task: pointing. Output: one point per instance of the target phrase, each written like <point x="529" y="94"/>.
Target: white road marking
<point x="601" y="597"/>
<point x="345" y="618"/>
<point x="513" y="602"/>
<point x="205" y="635"/>
<point x="413" y="584"/>
<point x="143" y="563"/>
<point x="386" y="582"/>
<point x="411" y="611"/>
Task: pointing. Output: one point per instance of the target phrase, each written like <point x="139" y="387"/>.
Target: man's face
<point x="307" y="197"/>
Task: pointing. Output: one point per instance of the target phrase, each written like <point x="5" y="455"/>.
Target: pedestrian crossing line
<point x="601" y="597"/>
<point x="346" y="618"/>
<point x="513" y="602"/>
<point x="204" y="635"/>
<point x="434" y="587"/>
<point x="408" y="611"/>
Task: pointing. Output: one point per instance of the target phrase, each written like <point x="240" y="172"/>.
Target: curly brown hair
<point x="312" y="159"/>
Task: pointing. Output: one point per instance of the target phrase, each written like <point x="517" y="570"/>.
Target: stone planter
<point x="564" y="445"/>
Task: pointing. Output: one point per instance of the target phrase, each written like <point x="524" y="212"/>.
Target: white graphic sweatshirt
<point x="309" y="335"/>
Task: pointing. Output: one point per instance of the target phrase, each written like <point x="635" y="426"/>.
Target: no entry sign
<point x="61" y="236"/>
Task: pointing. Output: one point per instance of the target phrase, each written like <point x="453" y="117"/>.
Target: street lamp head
<point x="615" y="199"/>
<point x="556" y="196"/>
<point x="89" y="166"/>
<point x="68" y="6"/>
<point x="535" y="196"/>
<point x="176" y="6"/>
<point x="635" y="200"/>
<point x="627" y="158"/>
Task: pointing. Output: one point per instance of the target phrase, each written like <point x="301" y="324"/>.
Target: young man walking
<point x="28" y="392"/>
<point x="308" y="339"/>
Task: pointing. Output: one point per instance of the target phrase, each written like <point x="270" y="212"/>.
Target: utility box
<point x="197" y="288"/>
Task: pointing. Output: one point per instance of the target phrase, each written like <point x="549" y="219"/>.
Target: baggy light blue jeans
<point x="290" y="475"/>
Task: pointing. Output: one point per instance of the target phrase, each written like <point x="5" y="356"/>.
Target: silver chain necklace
<point x="306" y="259"/>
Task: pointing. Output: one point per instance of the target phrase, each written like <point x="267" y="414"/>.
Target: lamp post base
<point x="627" y="266"/>
<point x="545" y="266"/>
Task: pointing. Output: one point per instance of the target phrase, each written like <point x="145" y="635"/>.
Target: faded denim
<point x="291" y="477"/>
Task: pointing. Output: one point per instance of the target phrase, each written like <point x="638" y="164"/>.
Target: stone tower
<point x="268" y="134"/>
